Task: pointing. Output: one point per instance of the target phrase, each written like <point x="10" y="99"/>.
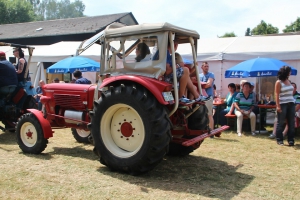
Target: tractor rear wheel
<point x="81" y="135"/>
<point x="130" y="129"/>
<point x="30" y="135"/>
<point x="197" y="121"/>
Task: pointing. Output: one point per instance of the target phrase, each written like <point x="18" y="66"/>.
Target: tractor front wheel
<point x="30" y="135"/>
<point x="81" y="135"/>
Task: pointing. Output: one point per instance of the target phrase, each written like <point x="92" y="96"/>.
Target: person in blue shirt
<point x="8" y="74"/>
<point x="229" y="103"/>
<point x="208" y="79"/>
<point x="79" y="79"/>
<point x="39" y="93"/>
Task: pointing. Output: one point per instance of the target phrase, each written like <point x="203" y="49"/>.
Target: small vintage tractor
<point x="137" y="118"/>
<point x="16" y="99"/>
<point x="65" y="105"/>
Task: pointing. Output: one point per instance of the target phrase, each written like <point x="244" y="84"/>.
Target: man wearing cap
<point x="8" y="74"/>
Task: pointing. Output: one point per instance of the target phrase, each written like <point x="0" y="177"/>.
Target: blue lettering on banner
<point x="59" y="71"/>
<point x="266" y="73"/>
<point x="236" y="73"/>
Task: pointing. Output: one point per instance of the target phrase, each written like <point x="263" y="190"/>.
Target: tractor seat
<point x="7" y="89"/>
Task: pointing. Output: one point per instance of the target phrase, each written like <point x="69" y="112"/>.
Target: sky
<point x="210" y="18"/>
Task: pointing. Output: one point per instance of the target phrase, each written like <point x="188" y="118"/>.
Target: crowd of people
<point x="244" y="103"/>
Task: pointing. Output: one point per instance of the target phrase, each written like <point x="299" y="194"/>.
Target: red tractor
<point x="137" y="119"/>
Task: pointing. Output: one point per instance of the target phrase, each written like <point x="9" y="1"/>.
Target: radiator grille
<point x="69" y="101"/>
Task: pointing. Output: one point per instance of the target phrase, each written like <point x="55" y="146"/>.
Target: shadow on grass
<point x="192" y="174"/>
<point x="8" y="137"/>
<point x="77" y="152"/>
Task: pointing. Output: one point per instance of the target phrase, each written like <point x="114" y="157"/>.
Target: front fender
<point x="44" y="123"/>
<point x="155" y="86"/>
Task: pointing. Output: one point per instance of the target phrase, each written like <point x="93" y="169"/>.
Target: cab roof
<point x="118" y="30"/>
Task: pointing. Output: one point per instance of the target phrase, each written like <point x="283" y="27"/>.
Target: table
<point x="218" y="105"/>
<point x="271" y="108"/>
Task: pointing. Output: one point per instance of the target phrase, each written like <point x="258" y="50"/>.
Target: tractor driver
<point x="8" y="74"/>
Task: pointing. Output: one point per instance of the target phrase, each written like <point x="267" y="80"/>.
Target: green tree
<point x="15" y="11"/>
<point x="263" y="28"/>
<point x="54" y="9"/>
<point x="248" y="32"/>
<point x="293" y="27"/>
<point x="228" y="35"/>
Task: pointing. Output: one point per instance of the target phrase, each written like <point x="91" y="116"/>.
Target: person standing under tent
<point x="285" y="106"/>
<point x="208" y="78"/>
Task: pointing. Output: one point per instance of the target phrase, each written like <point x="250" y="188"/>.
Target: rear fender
<point x="155" y="86"/>
<point x="44" y="123"/>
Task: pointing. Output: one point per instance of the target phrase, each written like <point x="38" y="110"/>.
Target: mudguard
<point x="44" y="123"/>
<point x="156" y="87"/>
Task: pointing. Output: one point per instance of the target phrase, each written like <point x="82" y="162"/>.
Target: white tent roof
<point x="279" y="47"/>
<point x="244" y="48"/>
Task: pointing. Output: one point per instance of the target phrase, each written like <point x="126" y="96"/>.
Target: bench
<point x="232" y="119"/>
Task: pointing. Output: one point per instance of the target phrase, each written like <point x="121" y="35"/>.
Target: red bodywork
<point x="58" y="99"/>
<point x="156" y="87"/>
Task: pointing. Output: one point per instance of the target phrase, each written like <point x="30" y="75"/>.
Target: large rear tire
<point x="197" y="121"/>
<point x="130" y="129"/>
<point x="81" y="135"/>
<point x="30" y="135"/>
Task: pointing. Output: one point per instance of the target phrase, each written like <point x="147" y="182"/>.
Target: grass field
<point x="230" y="167"/>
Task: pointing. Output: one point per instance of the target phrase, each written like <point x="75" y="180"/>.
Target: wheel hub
<point x="29" y="134"/>
<point x="126" y="129"/>
<point x="126" y="133"/>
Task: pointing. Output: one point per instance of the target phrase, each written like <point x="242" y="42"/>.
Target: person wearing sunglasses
<point x="21" y="67"/>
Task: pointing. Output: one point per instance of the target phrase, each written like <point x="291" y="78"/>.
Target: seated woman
<point x="229" y="103"/>
<point x="244" y="103"/>
<point x="142" y="52"/>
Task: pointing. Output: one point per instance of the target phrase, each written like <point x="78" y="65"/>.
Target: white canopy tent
<point x="221" y="53"/>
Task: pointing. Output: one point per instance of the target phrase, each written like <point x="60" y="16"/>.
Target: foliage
<point x="293" y="27"/>
<point x="15" y="11"/>
<point x="18" y="11"/>
<point x="263" y="28"/>
<point x="54" y="9"/>
<point x="248" y="32"/>
<point x="231" y="34"/>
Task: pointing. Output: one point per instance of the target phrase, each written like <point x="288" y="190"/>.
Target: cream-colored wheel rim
<point x="122" y="130"/>
<point x="82" y="133"/>
<point x="28" y="134"/>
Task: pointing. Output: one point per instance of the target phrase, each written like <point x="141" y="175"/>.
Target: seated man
<point x="8" y="74"/>
<point x="79" y="79"/>
<point x="39" y="93"/>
